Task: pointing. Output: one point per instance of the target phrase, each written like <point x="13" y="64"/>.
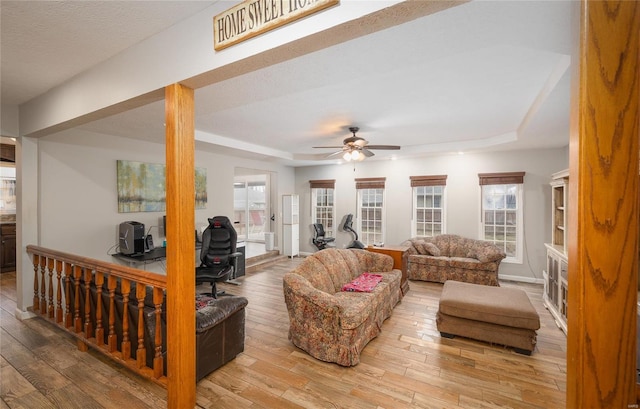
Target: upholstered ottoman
<point x="219" y="332"/>
<point x="493" y="314"/>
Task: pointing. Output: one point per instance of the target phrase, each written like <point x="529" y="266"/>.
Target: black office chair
<point x="218" y="256"/>
<point x="320" y="241"/>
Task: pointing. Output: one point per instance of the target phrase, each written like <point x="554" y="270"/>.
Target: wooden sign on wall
<point x="253" y="17"/>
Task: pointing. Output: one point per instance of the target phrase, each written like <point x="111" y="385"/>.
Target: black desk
<point x="157" y="254"/>
<point x="160" y="254"/>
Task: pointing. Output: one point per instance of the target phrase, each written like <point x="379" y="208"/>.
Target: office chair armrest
<point x="234" y="263"/>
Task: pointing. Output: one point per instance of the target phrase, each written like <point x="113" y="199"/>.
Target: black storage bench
<point x="219" y="333"/>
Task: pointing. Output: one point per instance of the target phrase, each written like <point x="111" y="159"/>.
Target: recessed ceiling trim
<point x="553" y="80"/>
<point x="239" y="145"/>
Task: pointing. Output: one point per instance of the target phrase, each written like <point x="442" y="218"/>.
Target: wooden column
<point x="180" y="184"/>
<point x="603" y="239"/>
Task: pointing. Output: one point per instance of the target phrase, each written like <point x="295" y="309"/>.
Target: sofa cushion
<point x="431" y="249"/>
<point x="487" y="252"/>
<point x="335" y="265"/>
<point x="465" y="262"/>
<point x="355" y="308"/>
<point x="441" y="261"/>
<point x="461" y="247"/>
<point x="419" y="246"/>
<point x="442" y="241"/>
<point x="313" y="270"/>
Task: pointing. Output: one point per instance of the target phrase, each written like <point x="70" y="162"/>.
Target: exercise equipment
<point x="347" y="226"/>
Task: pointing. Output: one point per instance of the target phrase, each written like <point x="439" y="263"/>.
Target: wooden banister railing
<point x="94" y="302"/>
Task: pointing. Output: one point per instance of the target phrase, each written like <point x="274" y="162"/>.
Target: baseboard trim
<point x="23" y="315"/>
<point x="521" y="279"/>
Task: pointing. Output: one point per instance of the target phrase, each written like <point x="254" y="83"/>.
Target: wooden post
<point x="603" y="241"/>
<point x="180" y="177"/>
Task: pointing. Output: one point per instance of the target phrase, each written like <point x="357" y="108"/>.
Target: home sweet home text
<point x="253" y="17"/>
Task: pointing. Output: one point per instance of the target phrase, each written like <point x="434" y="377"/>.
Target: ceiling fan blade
<point x="366" y="152"/>
<point x="387" y="147"/>
<point x="328" y="147"/>
<point x="335" y="154"/>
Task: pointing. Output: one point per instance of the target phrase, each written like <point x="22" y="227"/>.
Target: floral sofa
<point x="333" y="325"/>
<point x="452" y="257"/>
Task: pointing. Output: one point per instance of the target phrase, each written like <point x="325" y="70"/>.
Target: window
<point x="502" y="214"/>
<point x="322" y="204"/>
<point x="370" y="210"/>
<point x="428" y="205"/>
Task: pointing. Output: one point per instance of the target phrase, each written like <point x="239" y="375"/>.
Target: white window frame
<point x="519" y="243"/>
<point x="329" y="228"/>
<point x="365" y="236"/>
<point x="443" y="215"/>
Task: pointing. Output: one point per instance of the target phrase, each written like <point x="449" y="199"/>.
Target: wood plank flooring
<point x="407" y="366"/>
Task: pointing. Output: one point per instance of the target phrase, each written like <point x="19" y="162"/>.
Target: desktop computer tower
<point x="131" y="238"/>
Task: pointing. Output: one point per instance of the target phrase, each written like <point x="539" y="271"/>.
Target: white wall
<point x="9" y="120"/>
<point x="79" y="212"/>
<point x="462" y="197"/>
<point x="78" y="197"/>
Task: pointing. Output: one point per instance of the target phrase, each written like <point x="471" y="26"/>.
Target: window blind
<point x="433" y="180"/>
<point x="501" y="178"/>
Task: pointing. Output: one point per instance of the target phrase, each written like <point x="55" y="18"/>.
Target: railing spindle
<point x="36" y="288"/>
<point x="158" y="364"/>
<point x="99" y="326"/>
<point x="113" y="338"/>
<point x="59" y="291"/>
<point x="68" y="319"/>
<point x="50" y="309"/>
<point x="77" y="319"/>
<point x="126" y="343"/>
<point x="88" y="327"/>
<point x="43" y="286"/>
<point x="141" y="353"/>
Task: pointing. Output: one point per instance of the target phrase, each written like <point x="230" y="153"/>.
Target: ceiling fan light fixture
<point x="355" y="148"/>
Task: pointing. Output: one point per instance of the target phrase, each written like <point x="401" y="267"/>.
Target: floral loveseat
<point x="334" y="325"/>
<point x="452" y="257"/>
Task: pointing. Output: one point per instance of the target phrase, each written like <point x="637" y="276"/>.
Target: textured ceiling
<point x="44" y="43"/>
<point x="482" y="75"/>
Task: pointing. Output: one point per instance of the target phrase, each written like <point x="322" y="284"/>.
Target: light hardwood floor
<point x="407" y="366"/>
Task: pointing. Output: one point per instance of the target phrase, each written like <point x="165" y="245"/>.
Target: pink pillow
<point x="364" y="283"/>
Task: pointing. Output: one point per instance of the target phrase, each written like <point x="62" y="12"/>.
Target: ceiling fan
<point x="356" y="148"/>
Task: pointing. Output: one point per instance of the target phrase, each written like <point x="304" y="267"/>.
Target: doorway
<point x="7" y="208"/>
<point x="252" y="204"/>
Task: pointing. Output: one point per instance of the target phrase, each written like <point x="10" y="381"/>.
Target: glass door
<point x="251" y="207"/>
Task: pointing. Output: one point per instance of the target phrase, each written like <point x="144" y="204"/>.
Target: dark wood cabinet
<point x="400" y="261"/>
<point x="7" y="247"/>
<point x="7" y="153"/>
